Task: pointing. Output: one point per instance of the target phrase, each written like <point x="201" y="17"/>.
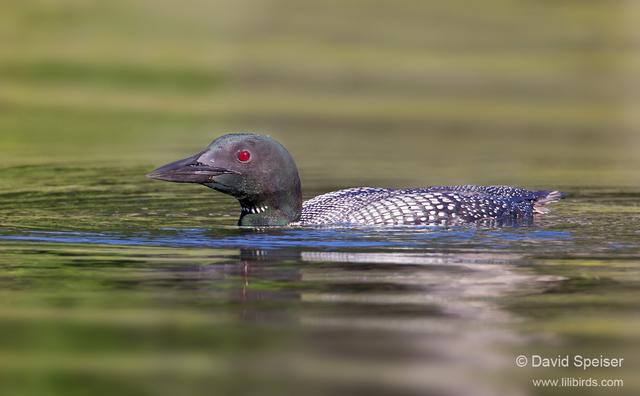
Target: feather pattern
<point x="425" y="206"/>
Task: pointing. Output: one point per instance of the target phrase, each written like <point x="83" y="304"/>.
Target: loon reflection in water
<point x="424" y="310"/>
<point x="261" y="174"/>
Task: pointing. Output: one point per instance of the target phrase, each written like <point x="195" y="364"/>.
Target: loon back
<point x="262" y="175"/>
<point x="426" y="206"/>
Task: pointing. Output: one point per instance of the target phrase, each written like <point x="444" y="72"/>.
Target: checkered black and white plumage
<point x="425" y="206"/>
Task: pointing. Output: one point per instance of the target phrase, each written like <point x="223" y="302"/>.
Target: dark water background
<point x="111" y="283"/>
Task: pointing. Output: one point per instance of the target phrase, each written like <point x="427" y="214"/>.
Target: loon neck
<point x="278" y="209"/>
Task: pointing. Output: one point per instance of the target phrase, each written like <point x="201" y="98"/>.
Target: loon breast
<point x="424" y="206"/>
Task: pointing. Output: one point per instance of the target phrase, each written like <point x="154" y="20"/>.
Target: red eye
<point x="244" y="156"/>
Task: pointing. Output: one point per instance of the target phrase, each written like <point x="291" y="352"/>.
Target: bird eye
<point x="244" y="156"/>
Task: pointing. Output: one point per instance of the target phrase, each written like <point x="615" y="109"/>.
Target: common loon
<point x="261" y="174"/>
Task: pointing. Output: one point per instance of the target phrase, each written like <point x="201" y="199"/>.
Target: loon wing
<point x="539" y="198"/>
<point x="424" y="207"/>
<point x="503" y="191"/>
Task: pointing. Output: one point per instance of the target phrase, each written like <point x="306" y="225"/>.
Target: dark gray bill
<point x="188" y="170"/>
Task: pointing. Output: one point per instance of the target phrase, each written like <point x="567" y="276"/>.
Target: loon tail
<point x="544" y="198"/>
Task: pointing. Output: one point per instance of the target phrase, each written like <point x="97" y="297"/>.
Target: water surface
<point x="121" y="284"/>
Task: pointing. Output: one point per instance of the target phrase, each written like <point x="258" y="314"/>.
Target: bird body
<point x="424" y="206"/>
<point x="262" y="175"/>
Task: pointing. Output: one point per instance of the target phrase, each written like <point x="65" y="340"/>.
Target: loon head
<point x="257" y="170"/>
